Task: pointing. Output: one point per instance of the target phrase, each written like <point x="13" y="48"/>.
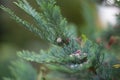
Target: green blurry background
<point x="13" y="37"/>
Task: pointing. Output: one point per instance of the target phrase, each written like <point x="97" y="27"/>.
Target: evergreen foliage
<point x="68" y="53"/>
<point x="20" y="69"/>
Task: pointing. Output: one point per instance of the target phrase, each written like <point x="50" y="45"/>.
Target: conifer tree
<point x="75" y="56"/>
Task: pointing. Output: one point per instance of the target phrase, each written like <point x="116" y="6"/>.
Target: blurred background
<point x="91" y="17"/>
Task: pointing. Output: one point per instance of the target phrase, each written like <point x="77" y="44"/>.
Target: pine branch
<point x="51" y="56"/>
<point x="26" y="24"/>
<point x="50" y="23"/>
<point x="68" y="53"/>
<point x="52" y="14"/>
<point x="42" y="24"/>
